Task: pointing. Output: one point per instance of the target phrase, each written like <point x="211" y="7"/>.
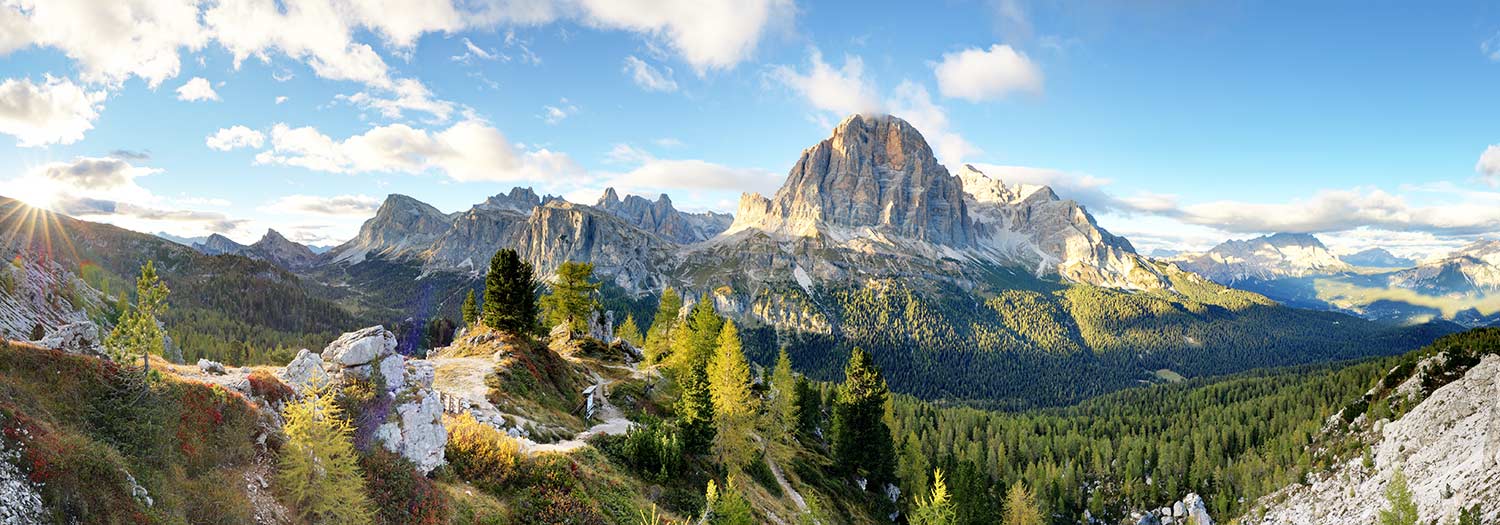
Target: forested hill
<point x="224" y="307"/>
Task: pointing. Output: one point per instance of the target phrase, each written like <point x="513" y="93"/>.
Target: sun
<point x="37" y="193"/>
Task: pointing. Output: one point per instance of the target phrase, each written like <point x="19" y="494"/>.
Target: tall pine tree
<point x="574" y="296"/>
<point x="139" y="332"/>
<point x="695" y="411"/>
<point x="470" y="310"/>
<point x="663" y="324"/>
<point x="735" y="405"/>
<point x="510" y="294"/>
<point x="862" y="443"/>
<point x="783" y="411"/>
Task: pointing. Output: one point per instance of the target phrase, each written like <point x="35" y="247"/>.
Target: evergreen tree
<point x="734" y="405"/>
<point x="727" y="506"/>
<point x="695" y="341"/>
<point x="510" y="294"/>
<point x="862" y="443"/>
<point x="783" y="409"/>
<point x="936" y="509"/>
<point x="629" y="332"/>
<point x="1400" y="508"/>
<point x="809" y="406"/>
<point x="574" y="296"/>
<point x="1469" y="516"/>
<point x="319" y="469"/>
<point x="470" y="310"/>
<point x="663" y="324"/>
<point x="695" y="411"/>
<point x="139" y="333"/>
<point x="1020" y="507"/>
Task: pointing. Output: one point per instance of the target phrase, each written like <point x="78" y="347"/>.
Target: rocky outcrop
<point x="1473" y="270"/>
<point x="217" y="244"/>
<point x="1264" y="258"/>
<point x="20" y="499"/>
<point x="360" y="348"/>
<point x="874" y="173"/>
<point x="78" y="337"/>
<point x="560" y="231"/>
<point x="1190" y="510"/>
<point x="402" y="227"/>
<point x="304" y="371"/>
<point x="211" y="367"/>
<point x="661" y="218"/>
<point x="1448" y="447"/>
<point x="415" y="427"/>
<point x="282" y="252"/>
<point x="37" y="293"/>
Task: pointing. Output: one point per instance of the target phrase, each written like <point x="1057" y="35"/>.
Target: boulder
<point x="393" y="370"/>
<point x="1196" y="511"/>
<point x="415" y="428"/>
<point x="81" y="337"/>
<point x="211" y="367"/>
<point x="361" y="347"/>
<point x="304" y="370"/>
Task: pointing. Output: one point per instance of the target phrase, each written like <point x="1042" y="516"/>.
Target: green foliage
<point x="1469" y="516"/>
<point x="319" y="470"/>
<point x="727" y="506"/>
<point x="784" y="410"/>
<point x="629" y="332"/>
<point x="663" y="324"/>
<point x="936" y="509"/>
<point x="510" y="294"/>
<point x="574" y="296"/>
<point x="139" y="335"/>
<point x="695" y="340"/>
<point x="652" y="449"/>
<point x="862" y="444"/>
<point x="469" y="310"/>
<point x="1400" y="508"/>
<point x="695" y="411"/>
<point x="734" y="405"/>
<point x="1020" y="507"/>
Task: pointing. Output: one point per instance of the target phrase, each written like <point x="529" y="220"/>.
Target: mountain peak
<point x="609" y="198"/>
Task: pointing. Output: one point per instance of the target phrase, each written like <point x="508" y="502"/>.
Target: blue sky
<point x="1179" y="124"/>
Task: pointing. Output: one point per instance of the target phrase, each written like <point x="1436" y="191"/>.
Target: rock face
<point x="1448" y="447"/>
<point x="20" y="500"/>
<point x="874" y="172"/>
<point x="402" y="227"/>
<point x="1188" y="510"/>
<point x="561" y="231"/>
<point x="1472" y="270"/>
<point x="661" y="218"/>
<point x="40" y="293"/>
<point x="79" y="337"/>
<point x="361" y="347"/>
<point x="219" y="245"/>
<point x="284" y="253"/>
<point x="1264" y="258"/>
<point x="415" y="429"/>
<point x="304" y="371"/>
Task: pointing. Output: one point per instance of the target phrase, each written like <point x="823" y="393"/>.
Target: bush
<point x="1397" y="375"/>
<point x="652" y="449"/>
<point x="401" y="496"/>
<point x="480" y="454"/>
<point x="267" y="386"/>
<point x="760" y="471"/>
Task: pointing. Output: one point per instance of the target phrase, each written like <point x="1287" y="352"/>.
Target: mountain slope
<point x="1376" y="258"/>
<point x="1264" y="258"/>
<point x="660" y="218"/>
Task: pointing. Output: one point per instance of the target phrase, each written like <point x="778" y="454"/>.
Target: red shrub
<point x="401" y="495"/>
<point x="267" y="386"/>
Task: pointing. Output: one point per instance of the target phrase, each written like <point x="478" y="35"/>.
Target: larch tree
<point x="629" y="332"/>
<point x="510" y="294"/>
<point x="659" y="335"/>
<point x="574" y="296"/>
<point x="937" y="508"/>
<point x="1020" y="507"/>
<point x="1400" y="509"/>
<point x="694" y="342"/>
<point x="783" y="410"/>
<point x="727" y="506"/>
<point x="862" y="443"/>
<point x="470" y="310"/>
<point x="735" y="406"/>
<point x="319" y="468"/>
<point x="139" y="332"/>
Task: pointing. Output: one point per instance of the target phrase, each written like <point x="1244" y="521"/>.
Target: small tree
<point x="139" y="332"/>
<point x="1020" y="507"/>
<point x="1469" y="516"/>
<point x="695" y="411"/>
<point x="727" y="506"/>
<point x="862" y="443"/>
<point x="936" y="509"/>
<point x="319" y="471"/>
<point x="783" y="409"/>
<point x="574" y="296"/>
<point x="658" y="337"/>
<point x="629" y="332"/>
<point x="1400" y="508"/>
<point x="510" y="294"/>
<point x="734" y="405"/>
<point x="470" y="310"/>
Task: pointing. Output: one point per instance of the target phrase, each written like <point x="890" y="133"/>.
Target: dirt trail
<point x="612" y="422"/>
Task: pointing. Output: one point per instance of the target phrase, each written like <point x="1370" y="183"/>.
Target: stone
<point x="361" y="347"/>
<point x="304" y="370"/>
<point x="211" y="367"/>
<point x="1179" y="510"/>
<point x="393" y="370"/>
<point x="1195" y="511"/>
<point x="416" y="432"/>
<point x="81" y="337"/>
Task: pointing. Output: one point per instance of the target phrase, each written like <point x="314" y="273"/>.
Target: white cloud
<point x="1491" y="47"/>
<point x="977" y="75"/>
<point x="555" y="114"/>
<point x="912" y="103"/>
<point x="197" y="89"/>
<point x="235" y="137"/>
<point x="709" y="34"/>
<point x="140" y="38"/>
<point x="677" y="176"/>
<point x="648" y="77"/>
<point x="843" y="91"/>
<point x="281" y="99"/>
<point x="1489" y="165"/>
<point x="57" y="111"/>
<point x="409" y="94"/>
<point x="472" y="51"/>
<point x="339" y="205"/>
<point x="468" y="151"/>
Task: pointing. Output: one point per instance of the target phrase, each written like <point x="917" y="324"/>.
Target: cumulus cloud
<point x="140" y="38"/>
<point x="470" y="150"/>
<point x="56" y="111"/>
<point x="555" y="114"/>
<point x="652" y="175"/>
<point x="197" y="89"/>
<point x="912" y="102"/>
<point x="843" y="90"/>
<point x="1489" y="165"/>
<point x="339" y="205"/>
<point x="406" y="94"/>
<point x="648" y="77"/>
<point x="235" y="137"/>
<point x="977" y="75"/>
<point x="709" y="34"/>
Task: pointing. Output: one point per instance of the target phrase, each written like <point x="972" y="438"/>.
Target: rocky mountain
<point x="661" y="218"/>
<point x="185" y="241"/>
<point x="1270" y="257"/>
<point x="1472" y="270"/>
<point x="217" y="244"/>
<point x="1377" y="258"/>
<point x="402" y="227"/>
<point x="277" y="249"/>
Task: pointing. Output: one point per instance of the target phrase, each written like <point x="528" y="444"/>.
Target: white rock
<point x="211" y="367"/>
<point x="361" y="347"/>
<point x="81" y="337"/>
<point x="393" y="369"/>
<point x="304" y="370"/>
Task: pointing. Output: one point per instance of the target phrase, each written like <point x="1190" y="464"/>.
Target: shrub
<point x="480" y="454"/>
<point x="547" y="505"/>
<point x="319" y="472"/>
<point x="217" y="498"/>
<point x="652" y="449"/>
<point x="760" y="471"/>
<point x="1398" y="374"/>
<point x="401" y="496"/>
<point x="267" y="386"/>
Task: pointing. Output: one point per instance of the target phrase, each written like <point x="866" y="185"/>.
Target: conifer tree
<point x="695" y="411"/>
<point x="629" y="332"/>
<point x="727" y="506"/>
<point x="1020" y="507"/>
<point x="1400" y="508"/>
<point x="862" y="443"/>
<point x="735" y="405"/>
<point x="319" y="469"/>
<point x="139" y="334"/>
<point x="574" y="296"/>
<point x="936" y="509"/>
<point x="696" y="340"/>
<point x="510" y="294"/>
<point x="659" y="336"/>
<point x="470" y="310"/>
<point x="783" y="409"/>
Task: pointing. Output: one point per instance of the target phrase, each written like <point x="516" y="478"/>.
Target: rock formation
<point x="661" y="218"/>
<point x="402" y="227"/>
<point x="1263" y="258"/>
